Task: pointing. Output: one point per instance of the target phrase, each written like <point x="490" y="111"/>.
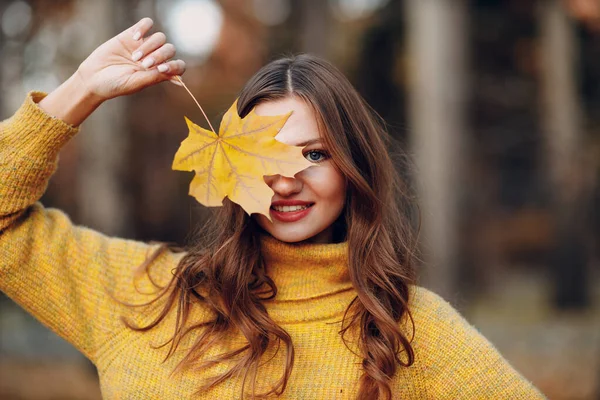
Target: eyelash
<point x="322" y="152"/>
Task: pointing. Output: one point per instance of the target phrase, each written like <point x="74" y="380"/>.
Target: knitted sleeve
<point x="458" y="362"/>
<point x="64" y="275"/>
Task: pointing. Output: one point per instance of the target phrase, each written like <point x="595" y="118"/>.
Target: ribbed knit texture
<point x="66" y="276"/>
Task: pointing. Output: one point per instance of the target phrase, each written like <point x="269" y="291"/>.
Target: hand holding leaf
<point x="129" y="62"/>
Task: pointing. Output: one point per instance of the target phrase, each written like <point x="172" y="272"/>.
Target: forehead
<point x="302" y="126"/>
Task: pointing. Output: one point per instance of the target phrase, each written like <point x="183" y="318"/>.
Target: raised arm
<point x="63" y="274"/>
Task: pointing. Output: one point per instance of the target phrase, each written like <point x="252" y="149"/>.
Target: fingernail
<point x="137" y="35"/>
<point x="176" y="83"/>
<point x="162" y="68"/>
<point x="136" y="55"/>
<point x="148" y="62"/>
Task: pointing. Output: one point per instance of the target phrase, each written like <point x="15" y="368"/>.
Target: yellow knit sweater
<point x="65" y="275"/>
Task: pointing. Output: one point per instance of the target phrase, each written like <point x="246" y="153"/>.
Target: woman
<point x="319" y="303"/>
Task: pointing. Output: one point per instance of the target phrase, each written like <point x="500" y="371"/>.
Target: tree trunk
<point x="564" y="154"/>
<point x="102" y="201"/>
<point x="437" y="51"/>
<point x="314" y="27"/>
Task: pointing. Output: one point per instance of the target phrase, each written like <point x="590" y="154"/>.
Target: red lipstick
<point x="290" y="216"/>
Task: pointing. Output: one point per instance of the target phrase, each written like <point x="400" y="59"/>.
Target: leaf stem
<point x="198" y="104"/>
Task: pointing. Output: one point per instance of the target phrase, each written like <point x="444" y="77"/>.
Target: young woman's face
<point x="303" y="207"/>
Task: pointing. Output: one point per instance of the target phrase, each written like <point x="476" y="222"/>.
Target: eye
<point x="316" y="155"/>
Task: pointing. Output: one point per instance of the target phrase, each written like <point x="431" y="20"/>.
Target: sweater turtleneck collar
<point x="312" y="279"/>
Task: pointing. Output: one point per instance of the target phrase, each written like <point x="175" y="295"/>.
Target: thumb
<point x="167" y="71"/>
<point x="176" y="80"/>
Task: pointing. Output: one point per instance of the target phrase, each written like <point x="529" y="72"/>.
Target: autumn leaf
<point x="233" y="163"/>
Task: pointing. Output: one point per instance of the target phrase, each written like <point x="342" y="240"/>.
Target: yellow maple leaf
<point x="233" y="163"/>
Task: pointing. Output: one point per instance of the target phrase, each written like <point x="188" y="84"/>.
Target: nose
<point x="283" y="185"/>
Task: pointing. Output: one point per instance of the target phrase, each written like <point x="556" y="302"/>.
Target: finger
<point x="152" y="43"/>
<point x="175" y="67"/>
<point x="153" y="76"/>
<point x="159" y="56"/>
<point x="138" y="30"/>
<point x="175" y="82"/>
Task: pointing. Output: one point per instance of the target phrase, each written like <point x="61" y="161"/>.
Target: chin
<point x="289" y="234"/>
<point x="290" y="237"/>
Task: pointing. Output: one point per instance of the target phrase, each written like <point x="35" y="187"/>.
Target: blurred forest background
<point x="497" y="102"/>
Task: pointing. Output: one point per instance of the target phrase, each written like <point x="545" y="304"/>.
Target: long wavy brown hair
<point x="224" y="270"/>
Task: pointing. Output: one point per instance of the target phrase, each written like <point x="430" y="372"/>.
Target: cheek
<point x="327" y="183"/>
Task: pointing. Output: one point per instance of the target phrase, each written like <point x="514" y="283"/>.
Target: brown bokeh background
<point x="496" y="102"/>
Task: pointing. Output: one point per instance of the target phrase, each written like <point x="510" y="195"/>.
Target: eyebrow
<point x="309" y="142"/>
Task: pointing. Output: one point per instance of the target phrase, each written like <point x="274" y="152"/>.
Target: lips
<point x="290" y="216"/>
<point x="289" y="208"/>
<point x="291" y="203"/>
